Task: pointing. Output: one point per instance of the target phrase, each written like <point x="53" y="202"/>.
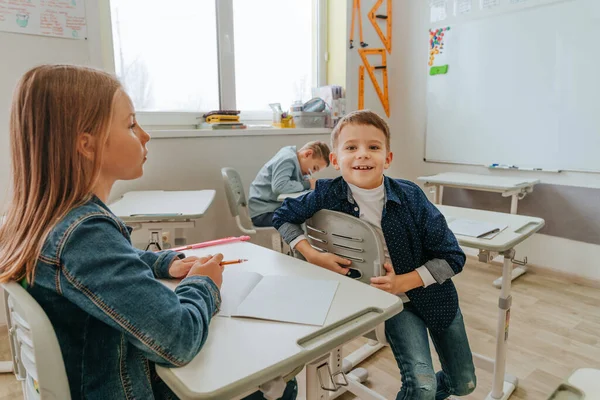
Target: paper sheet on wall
<point x="463" y="7"/>
<point x="485" y="4"/>
<point x="60" y="18"/>
<point x="437" y="10"/>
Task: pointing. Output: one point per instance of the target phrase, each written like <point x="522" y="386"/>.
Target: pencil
<point x="239" y="261"/>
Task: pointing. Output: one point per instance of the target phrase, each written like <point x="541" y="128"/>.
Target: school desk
<point x="284" y="196"/>
<point x="514" y="187"/>
<point x="156" y="210"/>
<point x="519" y="228"/>
<point x="241" y="354"/>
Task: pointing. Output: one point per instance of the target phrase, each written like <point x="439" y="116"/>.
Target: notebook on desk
<point x="276" y="297"/>
<point x="478" y="229"/>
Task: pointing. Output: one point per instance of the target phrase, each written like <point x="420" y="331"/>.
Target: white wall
<point x="407" y="69"/>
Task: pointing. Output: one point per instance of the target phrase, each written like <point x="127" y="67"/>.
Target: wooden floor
<point x="555" y="329"/>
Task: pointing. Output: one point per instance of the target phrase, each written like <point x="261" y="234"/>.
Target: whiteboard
<point x="522" y="89"/>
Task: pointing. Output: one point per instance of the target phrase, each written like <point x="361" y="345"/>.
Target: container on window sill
<point x="304" y="119"/>
<point x="286" y="122"/>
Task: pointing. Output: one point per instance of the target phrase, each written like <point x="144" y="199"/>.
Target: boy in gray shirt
<point x="282" y="174"/>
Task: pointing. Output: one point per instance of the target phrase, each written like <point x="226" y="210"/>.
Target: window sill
<point x="195" y="133"/>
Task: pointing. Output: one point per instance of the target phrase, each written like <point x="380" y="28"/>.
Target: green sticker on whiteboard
<point x="438" y="70"/>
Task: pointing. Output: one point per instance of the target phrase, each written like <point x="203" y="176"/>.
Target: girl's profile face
<point x="125" y="149"/>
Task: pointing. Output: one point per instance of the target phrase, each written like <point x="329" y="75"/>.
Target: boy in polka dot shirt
<point x="422" y="255"/>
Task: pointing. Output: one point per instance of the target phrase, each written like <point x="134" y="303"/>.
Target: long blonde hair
<point x="52" y="106"/>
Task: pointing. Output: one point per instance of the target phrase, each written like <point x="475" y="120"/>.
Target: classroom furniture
<point x="284" y="196"/>
<point x="514" y="187"/>
<point x="356" y="240"/>
<point x="241" y="354"/>
<point x="236" y="199"/>
<point x="36" y="355"/>
<point x="539" y="112"/>
<point x="156" y="210"/>
<point x="582" y="384"/>
<point x="519" y="229"/>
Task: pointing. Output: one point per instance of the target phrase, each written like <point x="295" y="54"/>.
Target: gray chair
<point x="37" y="358"/>
<point x="356" y="240"/>
<point x="238" y="206"/>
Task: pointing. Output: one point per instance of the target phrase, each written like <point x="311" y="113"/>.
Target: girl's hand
<point x="179" y="268"/>
<point x="209" y="266"/>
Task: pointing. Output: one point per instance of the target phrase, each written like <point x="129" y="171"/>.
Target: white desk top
<point x="161" y="205"/>
<point x="482" y="182"/>
<point x="520" y="227"/>
<point x="241" y="354"/>
<point x="284" y="196"/>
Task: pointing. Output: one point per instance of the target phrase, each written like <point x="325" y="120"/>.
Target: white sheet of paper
<point x="463" y="6"/>
<point x="289" y="299"/>
<point x="438" y="10"/>
<point x="489" y="3"/>
<point x="236" y="286"/>
<point x="467" y="227"/>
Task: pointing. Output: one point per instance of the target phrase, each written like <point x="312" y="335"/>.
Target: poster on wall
<point x="58" y="18"/>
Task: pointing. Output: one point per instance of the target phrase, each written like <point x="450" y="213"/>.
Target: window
<point x="181" y="58"/>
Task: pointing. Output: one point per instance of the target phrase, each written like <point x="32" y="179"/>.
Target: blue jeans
<point x="263" y="220"/>
<point x="407" y="334"/>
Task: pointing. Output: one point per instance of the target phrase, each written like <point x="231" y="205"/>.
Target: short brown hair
<point x="361" y="117"/>
<point x="319" y="149"/>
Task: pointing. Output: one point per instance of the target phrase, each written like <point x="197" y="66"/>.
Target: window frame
<point x="226" y="65"/>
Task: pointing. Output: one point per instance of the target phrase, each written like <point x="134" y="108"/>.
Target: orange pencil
<point x="241" y="260"/>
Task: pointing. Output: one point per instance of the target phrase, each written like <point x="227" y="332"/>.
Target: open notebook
<point x="478" y="229"/>
<point x="276" y="297"/>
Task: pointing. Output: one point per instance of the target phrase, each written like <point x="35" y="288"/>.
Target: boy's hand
<point x="395" y="284"/>
<point x="180" y="268"/>
<point x="330" y="261"/>
<point x="313" y="183"/>
<point x="209" y="266"/>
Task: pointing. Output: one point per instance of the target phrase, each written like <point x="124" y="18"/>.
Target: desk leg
<point x="517" y="269"/>
<point x="502" y="386"/>
<point x="313" y="384"/>
<point x="438" y="193"/>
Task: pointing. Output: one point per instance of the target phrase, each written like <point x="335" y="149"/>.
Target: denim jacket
<point x="113" y="319"/>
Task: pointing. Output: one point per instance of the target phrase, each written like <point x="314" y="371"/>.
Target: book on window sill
<point x="226" y="126"/>
<point x="276" y="297"/>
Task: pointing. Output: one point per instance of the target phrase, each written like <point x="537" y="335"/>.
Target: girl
<point x="73" y="135"/>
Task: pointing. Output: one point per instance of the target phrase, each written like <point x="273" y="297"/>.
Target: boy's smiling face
<point x="361" y="155"/>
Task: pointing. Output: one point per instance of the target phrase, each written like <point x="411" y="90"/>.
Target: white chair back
<point x="37" y="359"/>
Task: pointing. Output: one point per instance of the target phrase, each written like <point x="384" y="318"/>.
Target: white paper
<point x="61" y="18"/>
<point x="518" y="1"/>
<point x="489" y="3"/>
<point x="438" y="10"/>
<point x="463" y="7"/>
<point x="236" y="286"/>
<point x="289" y="299"/>
<point x="466" y="227"/>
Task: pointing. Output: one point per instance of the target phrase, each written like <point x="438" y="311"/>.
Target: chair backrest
<point x="236" y="198"/>
<point x="37" y="358"/>
<point x="234" y="190"/>
<point x="348" y="237"/>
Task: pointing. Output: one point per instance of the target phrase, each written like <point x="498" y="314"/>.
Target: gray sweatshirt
<point x="280" y="175"/>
